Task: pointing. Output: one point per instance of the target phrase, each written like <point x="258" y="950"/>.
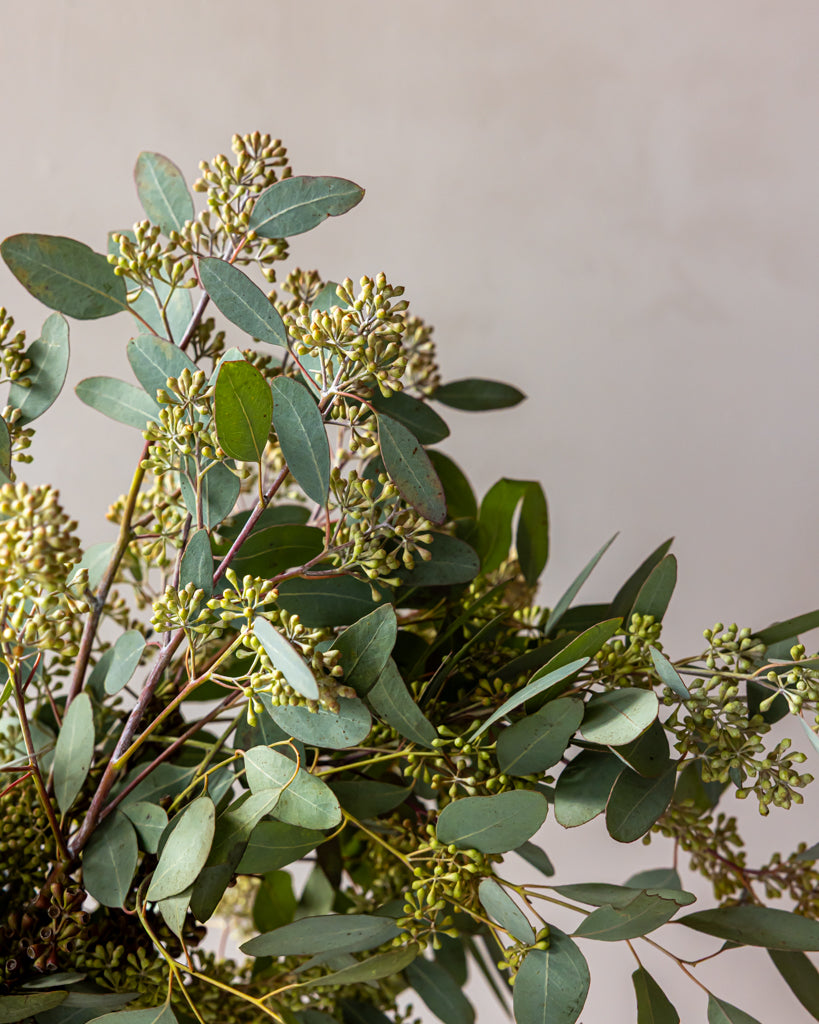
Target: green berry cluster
<point x="20" y="435"/>
<point x="182" y="433"/>
<point x="14" y="363"/>
<point x="158" y="518"/>
<point x="422" y="373"/>
<point x="626" y="657"/>
<point x="144" y="260"/>
<point x="303" y="286"/>
<point x="513" y="955"/>
<point x="798" y="686"/>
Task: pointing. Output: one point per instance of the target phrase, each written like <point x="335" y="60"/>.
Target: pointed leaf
<point x="496" y="514"/>
<point x="274" y="844"/>
<point x="119" y="400"/>
<point x="536" y="857"/>
<point x="149" y="820"/>
<point x="584" y="785"/>
<point x="65" y="275"/>
<point x="616" y="717"/>
<point x="242" y="301"/>
<point x="341" y="933"/>
<point x="365" y="647"/>
<point x="796" y="626"/>
<point x="127" y="650"/>
<point x="284" y="656"/>
<point x="410" y="470"/>
<point x="757" y="926"/>
<point x="532" y="689"/>
<point x="220" y="489"/>
<point x="415" y="415"/>
<point x="562" y="605"/>
<point x="186" y="850"/>
<point x="668" y="674"/>
<point x="295" y="205"/>
<point x="655" y="594"/>
<point x="801" y="976"/>
<point x="538" y="741"/>
<point x="162" y="191"/>
<point x="156" y="1015"/>
<point x="383" y="965"/>
<point x="109" y="861"/>
<point x="476" y="395"/>
<point x="197" y="563"/>
<point x="460" y="498"/>
<point x="21" y="1008"/>
<point x="440" y="992"/>
<point x="74" y="751"/>
<point x="653" y="1006"/>
<point x="636" y="803"/>
<point x="331" y="730"/>
<point x="306" y="801"/>
<point x="586" y="645"/>
<point x="551" y="985"/>
<point x="242" y="411"/>
<point x="333" y="601"/>
<point x="393" y="703"/>
<point x="624" y="599"/>
<point x="720" y="1012"/>
<point x="174" y="910"/>
<point x="49" y="366"/>
<point x="532" y="539"/>
<point x="303" y="439"/>
<point x="492" y="824"/>
<point x="154" y="360"/>
<point x="235" y="824"/>
<point x="504" y="911"/>
<point x="645" y="912"/>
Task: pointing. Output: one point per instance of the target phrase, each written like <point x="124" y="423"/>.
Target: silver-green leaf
<point x="74" y="751"/>
<point x="49" y="365"/>
<point x="242" y="301"/>
<point x="162" y="191"/>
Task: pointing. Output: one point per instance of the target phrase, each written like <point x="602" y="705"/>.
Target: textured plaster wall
<point x="613" y="205"/>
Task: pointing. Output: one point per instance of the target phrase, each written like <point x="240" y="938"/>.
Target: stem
<point x="201" y="306"/>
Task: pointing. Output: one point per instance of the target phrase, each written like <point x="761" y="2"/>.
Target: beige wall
<point x="613" y="205"/>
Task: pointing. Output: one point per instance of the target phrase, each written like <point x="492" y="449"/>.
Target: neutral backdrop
<point x="613" y="205"/>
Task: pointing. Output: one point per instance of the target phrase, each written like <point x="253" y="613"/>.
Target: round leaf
<point x="162" y="191"/>
<point x="295" y="205"/>
<point x="74" y="751"/>
<point x="452" y="561"/>
<point x="551" y="985"/>
<point x="332" y="730"/>
<point x="492" y="824"/>
<point x="617" y="717"/>
<point x="286" y="659"/>
<point x="149" y="820"/>
<point x="341" y="933"/>
<point x="109" y="861"/>
<point x="410" y="469"/>
<point x="538" y="741"/>
<point x="332" y="601"/>
<point x="242" y="410"/>
<point x="154" y="360"/>
<point x="303" y="439"/>
<point x="636" y="803"/>
<point x="186" y="850"/>
<point x="584" y="785"/>
<point x="502" y="908"/>
<point x="49" y="365"/>
<point x="242" y="301"/>
<point x="306" y="801"/>
<point x="365" y="647"/>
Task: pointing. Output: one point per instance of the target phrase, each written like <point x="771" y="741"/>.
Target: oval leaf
<point x="242" y="301"/>
<point x="155" y="1015"/>
<point x="538" y="741"/>
<point x="242" y="411"/>
<point x="341" y="933"/>
<point x="306" y="801"/>
<point x="617" y="717"/>
<point x="460" y="498"/>
<point x="286" y="659"/>
<point x="492" y="824"/>
<point x="648" y="755"/>
<point x="197" y="563"/>
<point x="538" y="684"/>
<point x="154" y="360"/>
<point x="332" y="730"/>
<point x="186" y="850"/>
<point x="757" y="926"/>
<point x="303" y="439"/>
<point x="65" y="275"/>
<point x="365" y="647"/>
<point x="21" y="1008"/>
<point x="551" y="985"/>
<point x="220" y="489"/>
<point x="475" y="395"/>
<point x="124" y="661"/>
<point x="49" y="366"/>
<point x="295" y="205"/>
<point x="502" y="908"/>
<point x="363" y="798"/>
<point x="383" y="965"/>
<point x="439" y="990"/>
<point x="410" y="469"/>
<point x="274" y="844"/>
<point x="641" y="915"/>
<point x="416" y="415"/>
<point x="109" y="861"/>
<point x="119" y="400"/>
<point x="332" y="601"/>
<point x="452" y="561"/>
<point x="636" y="803"/>
<point x="74" y="751"/>
<point x="392" y="702"/>
<point x="5" y="449"/>
<point x="801" y="976"/>
<point x="655" y="594"/>
<point x="653" y="1006"/>
<point x="149" y="820"/>
<point x="162" y="191"/>
<point x="584" y="785"/>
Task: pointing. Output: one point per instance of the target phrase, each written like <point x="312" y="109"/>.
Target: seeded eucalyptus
<point x="310" y="644"/>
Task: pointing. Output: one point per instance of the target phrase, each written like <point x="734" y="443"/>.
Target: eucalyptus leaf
<point x="149" y="820"/>
<point x="220" y="489"/>
<point x="495" y="518"/>
<point x="307" y="801"/>
<point x="303" y="439"/>
<point x="83" y="1005"/>
<point x="788" y="628"/>
<point x="415" y="415"/>
<point x="410" y="470"/>
<point x="74" y="751"/>
<point x="655" y="594"/>
<point x="655" y="878"/>
<point x="668" y="674"/>
<point x="624" y="598"/>
<point x="332" y="601"/>
<point x="584" y="786"/>
<point x="504" y="911"/>
<point x="331" y="730"/>
<point x="341" y="933"/>
<point x="196" y="566"/>
<point x="109" y="861"/>
<point x="532" y="689"/>
<point x="274" y="844"/>
<point x="648" y="755"/>
<point x="538" y="741"/>
<point x="358" y="1013"/>
<point x="451" y="561"/>
<point x="154" y="360"/>
<point x="295" y="205"/>
<point x="720" y="1012"/>
<point x="49" y="365"/>
<point x="118" y="400"/>
<point x="275" y="901"/>
<point x="284" y="656"/>
<point x="96" y="560"/>
<point x="559" y="610"/>
<point x="533" y="855"/>
<point x="22" y="1007"/>
<point x="174" y="910"/>
<point x="382" y="965"/>
<point x="242" y="411"/>
<point x="492" y="824"/>
<point x="636" y="803"/>
<point x="653" y="1005"/>
<point x="162" y="191"/>
<point x="473" y="394"/>
<point x="586" y="645"/>
<point x="242" y="301"/>
<point x="460" y="498"/>
<point x="641" y="915"/>
<point x="439" y="991"/>
<point x="365" y="647"/>
<point x="616" y="717"/>
<point x="391" y="700"/>
<point x="156" y="1015"/>
<point x="801" y="977"/>
<point x="276" y="548"/>
<point x="5" y="449"/>
<point x="532" y="538"/>
<point x="186" y="851"/>
<point x="366" y="798"/>
<point x="757" y="926"/>
<point x="127" y="652"/>
<point x="552" y="984"/>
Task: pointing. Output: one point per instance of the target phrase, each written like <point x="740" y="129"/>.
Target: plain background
<point x="612" y="205"/>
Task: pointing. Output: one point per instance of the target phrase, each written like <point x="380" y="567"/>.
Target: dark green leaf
<point x="127" y="650"/>
<point x="242" y="411"/>
<point x="49" y="365"/>
<point x="284" y="656"/>
<point x="551" y="985"/>
<point x="54" y="980"/>
<point x="642" y="914"/>
<point x="364" y="798"/>
<point x="197" y="563"/>
<point x="624" y="599"/>
<point x="801" y="976"/>
<point x="74" y="751"/>
<point x="274" y="844"/>
<point x="790" y="627"/>
<point x="303" y="439"/>
<point x="119" y="400"/>
<point x="532" y="689"/>
<point x="476" y="395"/>
<point x="460" y="498"/>
<point x="333" y="601"/>
<point x="562" y="605"/>
<point x="648" y="755"/>
<point x="83" y="1005"/>
<point x="653" y="1006"/>
<point x="341" y="933"/>
<point x="165" y="780"/>
<point x="275" y="902"/>
<point x="306" y="801"/>
<point x="440" y="992"/>
<point x="504" y="911"/>
<point x="332" y="730"/>
<point x="295" y="205"/>
<point x="584" y="785"/>
<point x="655" y="878"/>
<point x="149" y="820"/>
<point x="109" y="861"/>
<point x="536" y="857"/>
<point x="495" y="519"/>
<point x="65" y="275"/>
<point x="393" y="703"/>
<point x="162" y="191"/>
<point x="584" y="646"/>
<point x="242" y="301"/>
<point x="668" y="674"/>
<point x="410" y="470"/>
<point x="538" y="741"/>
<point x="383" y="965"/>
<point x="655" y="594"/>
<point x="156" y="1015"/>
<point x="532" y="539"/>
<point x="757" y="926"/>
<point x="720" y="1012"/>
<point x="636" y="803"/>
<point x="616" y="717"/>
<point x="20" y="1008"/>
<point x="365" y="647"/>
<point x="492" y="824"/>
<point x="360" y="1013"/>
<point x="453" y="561"/>
<point x="415" y="415"/>
<point x="220" y="489"/>
<point x="186" y="850"/>
<point x="154" y="360"/>
<point x="272" y="549"/>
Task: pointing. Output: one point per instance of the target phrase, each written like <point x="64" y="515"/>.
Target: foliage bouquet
<point x="307" y="690"/>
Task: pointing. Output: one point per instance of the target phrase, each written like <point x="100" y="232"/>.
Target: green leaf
<point x="149" y="820"/>
<point x="303" y="439"/>
<point x="551" y="985"/>
<point x="653" y="1006"/>
<point x="655" y="594"/>
<point x="186" y="850"/>
<point x="492" y="824"/>
<point x="538" y="741"/>
<point x="272" y="549"/>
<point x="642" y="914"/>
<point x="286" y="659"/>
<point x="162" y="191"/>
<point x="364" y="798"/>
<point x="236" y="823"/>
<point x="476" y="395"/>
<point x="175" y="300"/>
<point x="648" y="755"/>
<point x="197" y="563"/>
<point x="275" y="902"/>
<point x="333" y="601"/>
<point x="332" y="730"/>
<point x="96" y="560"/>
<point x="341" y="933"/>
<point x="49" y="366"/>
<point x="668" y="674"/>
<point x="306" y="801"/>
<point x="391" y="700"/>
<point x="504" y="911"/>
<point x="452" y="561"/>
<point x="358" y="1013"/>
<point x="586" y="645"/>
<point x="109" y="861"/>
<point x="636" y="803"/>
<point x="220" y="489"/>
<point x="74" y="751"/>
<point x="154" y="360"/>
<point x="383" y="965"/>
<point x="242" y="411"/>
<point x="166" y="780"/>
<point x="20" y="1008"/>
<point x="788" y="628"/>
<point x="801" y="976"/>
<point x="655" y="878"/>
<point x="562" y="605"/>
<point x="536" y="857"/>
<point x="156" y="1015"/>
<point x="757" y="926"/>
<point x="274" y="844"/>
<point x="5" y="449"/>
<point x="532" y="539"/>
<point x="460" y="498"/>
<point x="82" y="1006"/>
<point x="439" y="991"/>
<point x="65" y="275"/>
<point x="584" y="785"/>
<point x="415" y="415"/>
<point x="174" y="910"/>
<point x="365" y="647"/>
<point x="295" y="205"/>
<point x="720" y="1012"/>
<point x="624" y="599"/>
<point x="532" y="689"/>
<point x="242" y="301"/>
<point x="128" y="650"/>
<point x="616" y="717"/>
<point x="495" y="518"/>
<point x="118" y="400"/>
<point x="410" y="470"/>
